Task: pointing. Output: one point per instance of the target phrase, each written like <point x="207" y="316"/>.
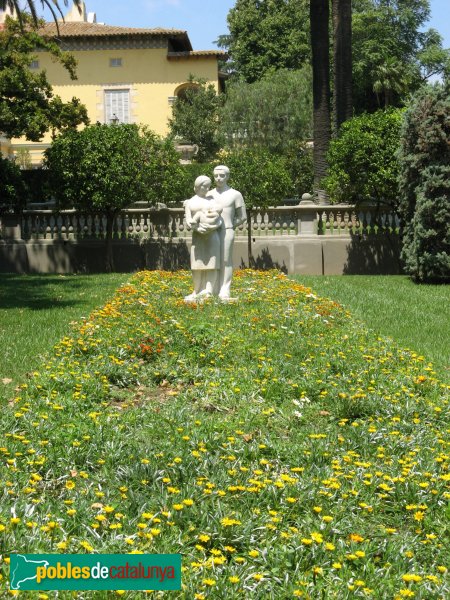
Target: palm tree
<point x="342" y="40"/>
<point x="319" y="14"/>
<point x="15" y="7"/>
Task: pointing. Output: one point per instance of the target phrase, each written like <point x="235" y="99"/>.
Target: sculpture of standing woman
<point x="204" y="218"/>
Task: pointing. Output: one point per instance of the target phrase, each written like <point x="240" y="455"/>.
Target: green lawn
<point x="36" y="311"/>
<point x="283" y="448"/>
<point x="416" y="316"/>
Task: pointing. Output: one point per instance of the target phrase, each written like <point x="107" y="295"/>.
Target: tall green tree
<point x="393" y="53"/>
<point x="20" y="10"/>
<point x="266" y="35"/>
<point x="27" y="104"/>
<point x="108" y="167"/>
<point x="425" y="185"/>
<point x="273" y="113"/>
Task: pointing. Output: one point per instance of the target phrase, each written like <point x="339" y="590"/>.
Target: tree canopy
<point x="266" y="35"/>
<point x="27" y="104"/>
<point x="272" y="113"/>
<point x="393" y="52"/>
<point x="195" y="116"/>
<point x="109" y="167"/>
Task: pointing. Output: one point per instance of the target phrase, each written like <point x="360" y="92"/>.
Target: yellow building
<point x="125" y="75"/>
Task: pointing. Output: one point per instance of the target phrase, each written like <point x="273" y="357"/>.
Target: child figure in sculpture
<point x="204" y="218"/>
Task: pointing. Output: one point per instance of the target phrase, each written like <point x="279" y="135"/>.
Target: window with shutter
<point x="117" y="106"/>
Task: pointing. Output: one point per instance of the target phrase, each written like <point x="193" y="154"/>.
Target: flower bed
<point x="282" y="448"/>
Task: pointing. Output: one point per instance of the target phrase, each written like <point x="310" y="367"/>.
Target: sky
<point x="205" y="20"/>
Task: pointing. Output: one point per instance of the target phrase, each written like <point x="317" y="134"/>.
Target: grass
<point x="416" y="316"/>
<point x="35" y="312"/>
<point x="282" y="448"/>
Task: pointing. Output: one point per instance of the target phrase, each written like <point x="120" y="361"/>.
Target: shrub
<point x="363" y="164"/>
<point x="189" y="174"/>
<point x="262" y="178"/>
<point x="109" y="167"/>
<point x="272" y="113"/>
<point x="12" y="187"/>
<point x="425" y="185"/>
<point x="195" y="117"/>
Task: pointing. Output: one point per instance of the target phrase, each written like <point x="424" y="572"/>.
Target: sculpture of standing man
<point x="231" y="203"/>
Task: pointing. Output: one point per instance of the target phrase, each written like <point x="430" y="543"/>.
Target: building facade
<point x="124" y="75"/>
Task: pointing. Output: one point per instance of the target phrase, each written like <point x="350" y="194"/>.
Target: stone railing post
<point x="308" y="216"/>
<point x="11" y="227"/>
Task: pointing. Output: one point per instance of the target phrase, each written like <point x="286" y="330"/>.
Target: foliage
<point x="109" y="167"/>
<point x="12" y="187"/>
<point x="195" y="117"/>
<point x="36" y="182"/>
<point x="273" y="113"/>
<point x="266" y="36"/>
<point x="299" y="162"/>
<point x="261" y="177"/>
<point x="281" y="452"/>
<point x="392" y="54"/>
<point x="190" y="172"/>
<point x="363" y="164"/>
<point x="27" y="104"/>
<point x="425" y="185"/>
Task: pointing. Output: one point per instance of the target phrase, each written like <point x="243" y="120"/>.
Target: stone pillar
<point x="308" y="216"/>
<point x="11" y="227"/>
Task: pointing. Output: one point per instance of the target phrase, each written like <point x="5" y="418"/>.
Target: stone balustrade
<point x="306" y="219"/>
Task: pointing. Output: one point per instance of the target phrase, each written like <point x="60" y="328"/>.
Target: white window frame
<point x="115" y="62"/>
<point x="117" y="103"/>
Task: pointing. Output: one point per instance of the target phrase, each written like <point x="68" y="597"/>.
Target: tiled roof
<point x="83" y="29"/>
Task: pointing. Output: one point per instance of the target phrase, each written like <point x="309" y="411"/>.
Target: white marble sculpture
<point x="213" y="216"/>
<point x="231" y="203"/>
<point x="204" y="218"/>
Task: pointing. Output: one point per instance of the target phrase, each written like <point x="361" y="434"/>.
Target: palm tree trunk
<point x="342" y="40"/>
<point x="319" y="14"/>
